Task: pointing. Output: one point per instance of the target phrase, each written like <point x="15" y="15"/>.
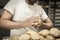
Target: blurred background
<point x="51" y="7"/>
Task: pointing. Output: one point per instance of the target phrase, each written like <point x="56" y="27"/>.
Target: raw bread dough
<point x="34" y="35"/>
<point x="24" y="37"/>
<point x="44" y="32"/>
<point x="55" y="32"/>
<point x="50" y="37"/>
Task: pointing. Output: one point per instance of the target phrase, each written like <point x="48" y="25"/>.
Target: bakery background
<point x="52" y="8"/>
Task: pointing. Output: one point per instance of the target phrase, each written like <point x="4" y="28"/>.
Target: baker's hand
<point x="37" y="24"/>
<point x="32" y="21"/>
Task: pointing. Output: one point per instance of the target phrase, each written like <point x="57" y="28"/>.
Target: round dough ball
<point x="44" y="32"/>
<point x="50" y="37"/>
<point x="36" y="23"/>
<point x="41" y="37"/>
<point x="58" y="39"/>
<point x="44" y="39"/>
<point x="55" y="32"/>
<point x="34" y="35"/>
<point x="14" y="38"/>
<point x="24" y="37"/>
<point x="33" y="39"/>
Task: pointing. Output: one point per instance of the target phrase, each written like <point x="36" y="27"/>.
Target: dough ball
<point x="44" y="39"/>
<point x="41" y="37"/>
<point x="24" y="37"/>
<point x="14" y="38"/>
<point x="55" y="32"/>
<point x="50" y="37"/>
<point x="44" y="32"/>
<point x="58" y="39"/>
<point x="34" y="35"/>
<point x="36" y="23"/>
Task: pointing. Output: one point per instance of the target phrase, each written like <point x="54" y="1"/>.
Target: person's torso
<point x="24" y="11"/>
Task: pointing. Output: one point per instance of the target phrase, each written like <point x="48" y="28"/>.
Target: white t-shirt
<point x="22" y="11"/>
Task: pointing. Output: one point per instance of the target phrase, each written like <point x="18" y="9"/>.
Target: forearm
<point x="11" y="25"/>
